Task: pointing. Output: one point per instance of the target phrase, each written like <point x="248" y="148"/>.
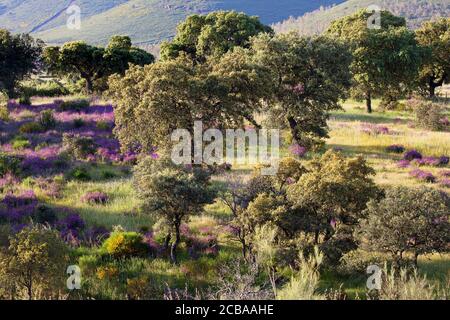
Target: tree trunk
<point x="167" y="241"/>
<point x="294" y="130"/>
<point x="89" y="85"/>
<point x="369" y="102"/>
<point x="173" y="249"/>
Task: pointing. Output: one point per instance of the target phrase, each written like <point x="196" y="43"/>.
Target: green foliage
<point x="406" y="220"/>
<point x="25" y="100"/>
<point x="9" y="164"/>
<point x="335" y="189"/>
<point x="31" y="127"/>
<point x="19" y="58"/>
<point x="4" y="112"/>
<point x="35" y="262"/>
<point x="74" y="105"/>
<point x="78" y="146"/>
<point x="124" y="245"/>
<point x="38" y="88"/>
<point x="435" y="36"/>
<point x="103" y="125"/>
<point x="428" y="115"/>
<point x="384" y="60"/>
<point x="302" y="99"/>
<point x="80" y="173"/>
<point x="356" y="262"/>
<point x="20" y="142"/>
<point x="94" y="64"/>
<point x="214" y="34"/>
<point x="226" y="92"/>
<point x="47" y="119"/>
<point x="172" y="193"/>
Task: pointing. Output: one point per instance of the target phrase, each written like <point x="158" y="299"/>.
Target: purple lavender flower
<point x="403" y="164"/>
<point x="96" y="197"/>
<point x="423" y="175"/>
<point x="445" y="183"/>
<point x="412" y="155"/>
<point x="297" y="150"/>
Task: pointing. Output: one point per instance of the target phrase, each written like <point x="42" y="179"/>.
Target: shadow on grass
<point x="370" y="118"/>
<point x="378" y="152"/>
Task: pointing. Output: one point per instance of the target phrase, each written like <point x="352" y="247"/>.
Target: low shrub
<point x="125" y="244"/>
<point x="4" y="112"/>
<point x="44" y="215"/>
<point x="19" y="143"/>
<point x="31" y="127"/>
<point x="47" y="119"/>
<point x="44" y="89"/>
<point x="74" y="105"/>
<point x="78" y="123"/>
<point x="428" y="115"/>
<point x="25" y="100"/>
<point x="78" y="146"/>
<point x="9" y="164"/>
<point x="103" y="125"/>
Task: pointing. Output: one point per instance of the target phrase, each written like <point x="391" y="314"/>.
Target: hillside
<point x="146" y="21"/>
<point x="415" y="11"/>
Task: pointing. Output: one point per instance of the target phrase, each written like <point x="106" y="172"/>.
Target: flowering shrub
<point x="96" y="197"/>
<point x="395" y="148"/>
<point x="374" y="129"/>
<point x="445" y="183"/>
<point x="95" y="235"/>
<point x="13" y="208"/>
<point x="125" y="244"/>
<point x="403" y="164"/>
<point x="411" y="155"/>
<point x="423" y="175"/>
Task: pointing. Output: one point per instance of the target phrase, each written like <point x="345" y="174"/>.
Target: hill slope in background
<point x="415" y="11"/>
<point x="145" y="21"/>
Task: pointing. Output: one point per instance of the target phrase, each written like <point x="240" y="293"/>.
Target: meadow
<point x="63" y="185"/>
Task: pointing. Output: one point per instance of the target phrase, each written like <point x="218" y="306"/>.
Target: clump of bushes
<point x="9" y="164"/>
<point x="31" y="127"/>
<point x="74" y="105"/>
<point x="47" y="119"/>
<point x="20" y="142"/>
<point x="78" y="146"/>
<point x="96" y="197"/>
<point x="44" y="89"/>
<point x="122" y="244"/>
<point x="428" y="115"/>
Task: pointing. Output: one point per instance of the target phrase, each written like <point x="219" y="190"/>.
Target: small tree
<point x="36" y="259"/>
<point x="19" y="57"/>
<point x="384" y="60"/>
<point x="334" y="191"/>
<point x="309" y="77"/>
<point x="93" y="63"/>
<point x="414" y="220"/>
<point x="435" y="36"/>
<point x="172" y="193"/>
